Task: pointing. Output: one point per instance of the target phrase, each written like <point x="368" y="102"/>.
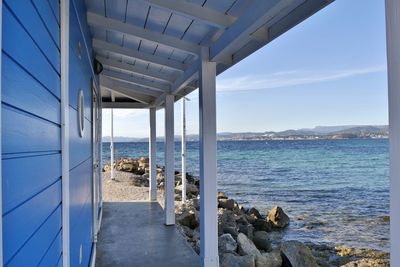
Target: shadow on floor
<point x="133" y="234"/>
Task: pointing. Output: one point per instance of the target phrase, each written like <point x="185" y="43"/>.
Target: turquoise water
<point x="334" y="191"/>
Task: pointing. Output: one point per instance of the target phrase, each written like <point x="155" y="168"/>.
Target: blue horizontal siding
<point x="81" y="234"/>
<point x="34" y="25"/>
<point x="20" y="225"/>
<point x="80" y="79"/>
<point x="80" y="147"/>
<point x="19" y="86"/>
<point x="20" y="46"/>
<point x="50" y="16"/>
<point x="53" y="254"/>
<point x="55" y="6"/>
<point x="33" y="251"/>
<point x="27" y="176"/>
<point x="23" y="132"/>
<point x="81" y="183"/>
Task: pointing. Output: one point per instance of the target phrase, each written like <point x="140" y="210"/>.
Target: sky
<point x="328" y="70"/>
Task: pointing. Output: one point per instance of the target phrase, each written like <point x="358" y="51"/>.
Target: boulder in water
<point x="261" y="240"/>
<point x="278" y="218"/>
<point x="296" y="254"/>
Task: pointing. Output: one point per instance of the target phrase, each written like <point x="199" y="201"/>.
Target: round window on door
<point x="81" y="113"/>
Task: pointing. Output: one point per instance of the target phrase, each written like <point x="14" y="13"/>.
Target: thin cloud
<point x="128" y="113"/>
<point x="289" y="78"/>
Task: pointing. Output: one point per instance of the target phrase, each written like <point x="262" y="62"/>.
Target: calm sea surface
<point x="334" y="191"/>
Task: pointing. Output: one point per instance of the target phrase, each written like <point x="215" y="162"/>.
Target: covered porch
<point x="154" y="53"/>
<point x="133" y="233"/>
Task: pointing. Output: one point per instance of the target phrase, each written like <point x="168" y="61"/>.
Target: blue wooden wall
<point x="81" y="161"/>
<point x="31" y="137"/>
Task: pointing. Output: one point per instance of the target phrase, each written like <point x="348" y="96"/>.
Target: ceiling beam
<point x="154" y="86"/>
<point x="197" y="12"/>
<point x="130" y="29"/>
<point x="236" y="36"/>
<point x="134" y="105"/>
<point x="145" y="57"/>
<point x="151" y="74"/>
<point x="130" y="94"/>
<point x="188" y="76"/>
<point x="109" y="83"/>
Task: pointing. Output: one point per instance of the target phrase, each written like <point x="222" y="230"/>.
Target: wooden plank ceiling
<point x="150" y="48"/>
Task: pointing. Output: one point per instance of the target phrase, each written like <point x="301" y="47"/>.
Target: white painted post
<point x="152" y="156"/>
<point x="208" y="162"/>
<point x="112" y="145"/>
<point x="183" y="151"/>
<point x="169" y="183"/>
<point x="64" y="10"/>
<point x="393" y="59"/>
<point x="1" y="176"/>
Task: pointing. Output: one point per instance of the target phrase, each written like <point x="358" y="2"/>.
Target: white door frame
<point x="1" y="172"/>
<point x="65" y="10"/>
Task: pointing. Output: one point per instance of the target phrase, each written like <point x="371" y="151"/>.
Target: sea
<point x="334" y="191"/>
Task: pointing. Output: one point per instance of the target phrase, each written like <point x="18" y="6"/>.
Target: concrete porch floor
<point x="134" y="234"/>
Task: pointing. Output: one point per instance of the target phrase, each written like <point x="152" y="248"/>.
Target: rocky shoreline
<point x="246" y="235"/>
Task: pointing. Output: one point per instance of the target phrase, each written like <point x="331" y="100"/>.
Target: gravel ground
<point x="122" y="190"/>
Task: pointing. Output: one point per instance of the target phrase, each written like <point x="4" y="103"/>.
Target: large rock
<point x="277" y="217"/>
<point x="296" y="254"/>
<point x="188" y="219"/>
<point x="231" y="260"/>
<point x="274" y="259"/>
<point x="221" y="195"/>
<point x="226" y="203"/>
<point x="190" y="189"/>
<point x="246" y="229"/>
<point x="262" y="225"/>
<point x="261" y="240"/>
<point x="246" y="246"/>
<point x="226" y="244"/>
<point x="255" y="212"/>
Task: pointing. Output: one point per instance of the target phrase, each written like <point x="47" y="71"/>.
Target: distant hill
<point x="319" y="132"/>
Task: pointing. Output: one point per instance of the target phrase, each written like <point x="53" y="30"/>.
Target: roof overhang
<point x="150" y="48"/>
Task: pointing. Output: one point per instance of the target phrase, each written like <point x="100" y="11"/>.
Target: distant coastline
<point x="316" y="133"/>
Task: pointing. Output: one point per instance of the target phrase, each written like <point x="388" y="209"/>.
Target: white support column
<point x="183" y="151"/>
<point x="393" y="58"/>
<point x="64" y="10"/>
<point x="152" y="156"/>
<point x="208" y="163"/>
<point x="112" y="145"/>
<point x="169" y="183"/>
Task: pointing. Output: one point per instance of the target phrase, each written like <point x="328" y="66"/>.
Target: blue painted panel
<point x="80" y="8"/>
<point x="27" y="133"/>
<point x="34" y="25"/>
<point x="22" y="223"/>
<point x="50" y="12"/>
<point x="24" y="177"/>
<point x="27" y="54"/>
<point x="54" y="252"/>
<point x="81" y="235"/>
<point x="80" y="79"/>
<point x="80" y="189"/>
<point x="33" y="251"/>
<point x="19" y="86"/>
<point x="80" y="147"/>
<point x="55" y="6"/>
